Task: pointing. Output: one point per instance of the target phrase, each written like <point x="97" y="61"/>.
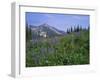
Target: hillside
<point x="69" y="49"/>
<point x="45" y="29"/>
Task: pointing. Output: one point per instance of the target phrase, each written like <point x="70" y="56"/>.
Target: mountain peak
<point x="45" y="25"/>
<point x="49" y="29"/>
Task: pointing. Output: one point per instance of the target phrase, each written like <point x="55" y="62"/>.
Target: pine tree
<point x="28" y="32"/>
<point x="68" y="31"/>
<point x="80" y="28"/>
<point x="88" y="27"/>
<point x="71" y="29"/>
<point x="77" y="29"/>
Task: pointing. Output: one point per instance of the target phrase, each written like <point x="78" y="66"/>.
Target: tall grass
<point x="70" y="49"/>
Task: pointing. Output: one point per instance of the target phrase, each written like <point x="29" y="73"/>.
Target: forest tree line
<point x="69" y="30"/>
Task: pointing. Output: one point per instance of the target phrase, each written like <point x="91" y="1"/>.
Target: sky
<point x="59" y="21"/>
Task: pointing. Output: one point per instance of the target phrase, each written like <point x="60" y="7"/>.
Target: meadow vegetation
<point x="69" y="49"/>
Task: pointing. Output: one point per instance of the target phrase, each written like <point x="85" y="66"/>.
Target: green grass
<point x="71" y="49"/>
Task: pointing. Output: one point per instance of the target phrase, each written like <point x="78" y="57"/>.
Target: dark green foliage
<point x="28" y="33"/>
<point x="75" y="29"/>
<point x="70" y="49"/>
<point x="71" y="29"/>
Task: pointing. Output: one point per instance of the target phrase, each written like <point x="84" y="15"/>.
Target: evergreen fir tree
<point x="77" y="29"/>
<point x="71" y="29"/>
<point x="68" y="31"/>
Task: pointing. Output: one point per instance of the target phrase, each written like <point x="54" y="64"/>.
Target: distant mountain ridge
<point x="46" y="29"/>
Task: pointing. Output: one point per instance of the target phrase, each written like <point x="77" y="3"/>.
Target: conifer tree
<point x="71" y="29"/>
<point x="77" y="30"/>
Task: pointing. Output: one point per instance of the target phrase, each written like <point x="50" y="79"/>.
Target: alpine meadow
<point x="56" y="39"/>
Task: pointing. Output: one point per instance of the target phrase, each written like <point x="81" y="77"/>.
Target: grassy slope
<point x="72" y="49"/>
